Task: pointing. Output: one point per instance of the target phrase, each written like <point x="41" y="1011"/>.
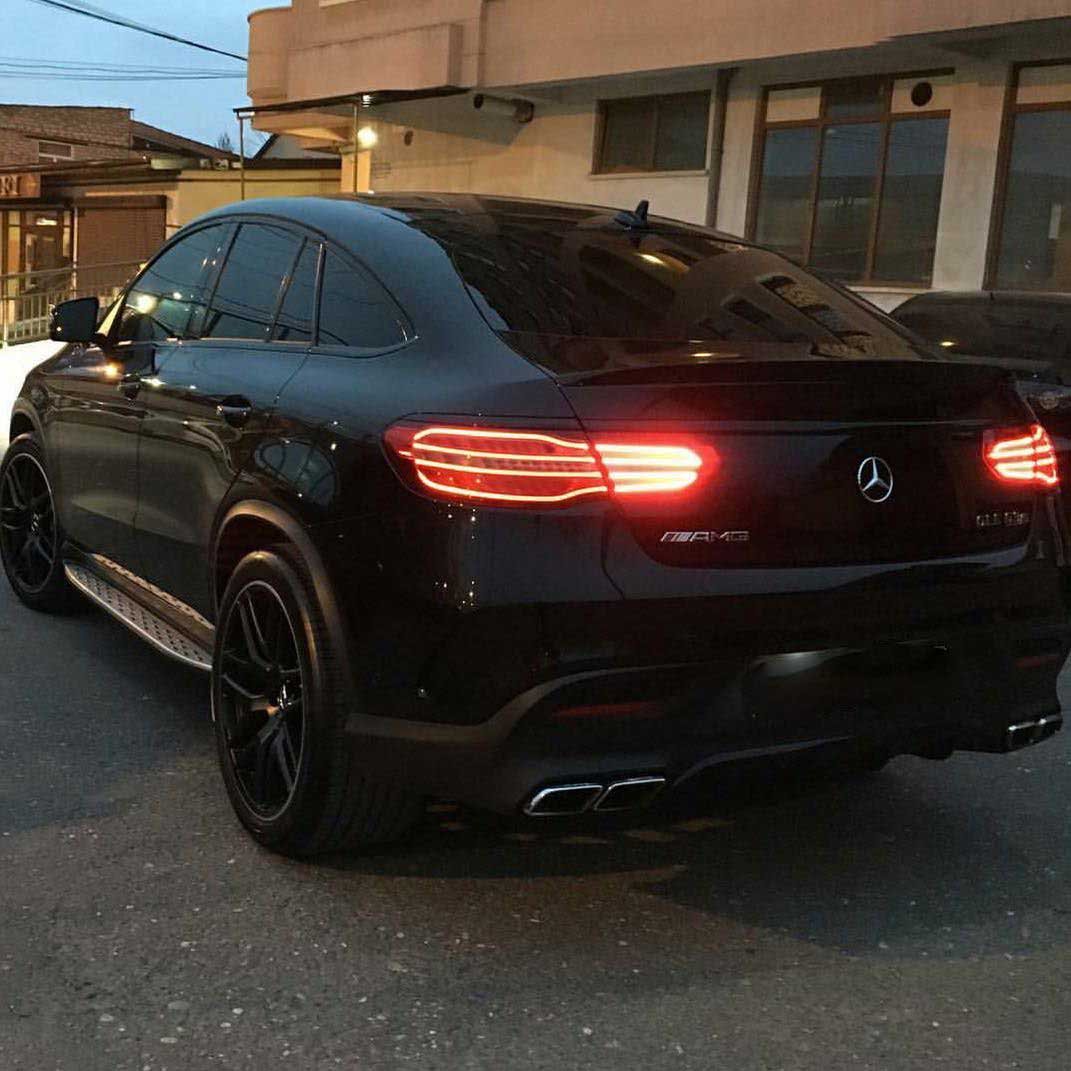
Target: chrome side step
<point x="139" y="619"/>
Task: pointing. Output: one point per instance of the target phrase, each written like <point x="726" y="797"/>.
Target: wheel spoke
<point x="285" y="757"/>
<point x="14" y="486"/>
<point x="254" y="638"/>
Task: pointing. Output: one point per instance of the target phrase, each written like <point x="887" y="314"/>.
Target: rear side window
<point x="251" y="283"/>
<point x="355" y="311"/>
<point x="294" y="322"/>
<point x="170" y="292"/>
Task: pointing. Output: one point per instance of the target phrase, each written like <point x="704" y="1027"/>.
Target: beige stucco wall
<point x="319" y="49"/>
<point x="551" y="157"/>
<point x="197" y="192"/>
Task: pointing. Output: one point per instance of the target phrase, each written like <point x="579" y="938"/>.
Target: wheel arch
<point x="256" y="525"/>
<point x="23" y="423"/>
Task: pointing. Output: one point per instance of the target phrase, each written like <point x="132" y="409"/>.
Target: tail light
<point x="1023" y="456"/>
<point x="510" y="467"/>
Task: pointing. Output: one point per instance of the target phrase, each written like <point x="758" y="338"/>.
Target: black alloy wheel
<point x="31" y="538"/>
<point x="280" y="704"/>
<point x="262" y="699"/>
<point x="27" y="523"/>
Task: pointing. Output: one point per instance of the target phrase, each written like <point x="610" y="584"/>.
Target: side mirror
<point x="75" y="320"/>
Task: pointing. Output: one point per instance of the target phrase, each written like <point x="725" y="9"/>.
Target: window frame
<point x="885" y="117"/>
<point x="211" y="276"/>
<point x="327" y="349"/>
<point x="602" y="125"/>
<point x="298" y="232"/>
<point x="1012" y="109"/>
<point x="51" y="157"/>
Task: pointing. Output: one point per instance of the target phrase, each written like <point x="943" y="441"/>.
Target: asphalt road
<point x="920" y="918"/>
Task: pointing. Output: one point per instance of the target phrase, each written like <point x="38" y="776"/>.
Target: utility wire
<point x="109" y="68"/>
<point x="117" y="20"/>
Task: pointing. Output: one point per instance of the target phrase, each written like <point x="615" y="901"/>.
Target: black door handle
<point x="235" y="411"/>
<point x="130" y="385"/>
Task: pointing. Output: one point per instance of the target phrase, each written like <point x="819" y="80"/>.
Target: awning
<point x="344" y="103"/>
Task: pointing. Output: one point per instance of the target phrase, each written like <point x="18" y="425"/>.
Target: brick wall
<point x="95" y="133"/>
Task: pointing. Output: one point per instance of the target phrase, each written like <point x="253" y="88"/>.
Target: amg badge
<point x="705" y="537"/>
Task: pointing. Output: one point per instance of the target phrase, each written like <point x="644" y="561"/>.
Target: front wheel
<point x="276" y="702"/>
<point x="30" y="535"/>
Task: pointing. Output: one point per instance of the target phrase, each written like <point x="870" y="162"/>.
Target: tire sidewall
<point x="306" y="805"/>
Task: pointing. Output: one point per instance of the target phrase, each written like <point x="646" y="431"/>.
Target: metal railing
<point x="26" y="298"/>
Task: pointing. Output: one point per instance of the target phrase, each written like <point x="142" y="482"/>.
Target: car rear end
<point x="770" y="524"/>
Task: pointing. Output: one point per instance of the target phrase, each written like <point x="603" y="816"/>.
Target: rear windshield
<point x="578" y="292"/>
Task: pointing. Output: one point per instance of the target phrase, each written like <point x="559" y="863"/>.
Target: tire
<point x="31" y="538"/>
<point x="279" y="717"/>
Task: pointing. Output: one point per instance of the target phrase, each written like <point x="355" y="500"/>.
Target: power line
<point x="34" y="63"/>
<point x="117" y="20"/>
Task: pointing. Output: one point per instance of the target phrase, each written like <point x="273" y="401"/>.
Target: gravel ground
<point x="919" y="918"/>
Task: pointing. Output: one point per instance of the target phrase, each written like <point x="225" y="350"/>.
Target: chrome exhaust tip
<point x="562" y="800"/>
<point x="1026" y="733"/>
<point x="634" y="792"/>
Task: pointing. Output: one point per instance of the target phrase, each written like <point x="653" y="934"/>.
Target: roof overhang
<point x="345" y="104"/>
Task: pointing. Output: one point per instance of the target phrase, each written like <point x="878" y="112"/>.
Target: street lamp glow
<point x="367" y="138"/>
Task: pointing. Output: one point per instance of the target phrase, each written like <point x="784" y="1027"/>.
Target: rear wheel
<point x="276" y="700"/>
<point x="30" y="533"/>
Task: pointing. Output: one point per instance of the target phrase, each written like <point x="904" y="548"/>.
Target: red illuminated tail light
<point x="523" y="467"/>
<point x="1023" y="456"/>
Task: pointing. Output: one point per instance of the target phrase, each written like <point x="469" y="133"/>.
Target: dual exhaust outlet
<point x="1032" y="732"/>
<point x="589" y="796"/>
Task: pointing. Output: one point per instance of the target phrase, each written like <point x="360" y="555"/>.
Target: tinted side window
<point x="355" y="311"/>
<point x="244" y="304"/>
<point x="294" y="323"/>
<point x="169" y="293"/>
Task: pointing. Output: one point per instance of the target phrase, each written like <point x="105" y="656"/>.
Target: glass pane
<point x="1035" y="244"/>
<point x="160" y="303"/>
<point x="577" y="294"/>
<point x="858" y="97"/>
<point x="294" y="323"/>
<point x="243" y="305"/>
<point x="628" y="135"/>
<point x="355" y="311"/>
<point x="784" y="213"/>
<point x="682" y="132"/>
<point x="911" y="200"/>
<point x="846" y="199"/>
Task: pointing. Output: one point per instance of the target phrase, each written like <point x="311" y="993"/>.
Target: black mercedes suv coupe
<point x="539" y="507"/>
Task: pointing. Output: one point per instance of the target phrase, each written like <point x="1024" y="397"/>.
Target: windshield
<point x="577" y="291"/>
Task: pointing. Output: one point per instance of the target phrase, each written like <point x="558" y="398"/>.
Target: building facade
<point x="87" y="194"/>
<point x="896" y="146"/>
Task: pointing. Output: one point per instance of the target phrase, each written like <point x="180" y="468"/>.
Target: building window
<point x="653" y="134"/>
<point x="54" y="152"/>
<point x="1033" y="250"/>
<point x="850" y="176"/>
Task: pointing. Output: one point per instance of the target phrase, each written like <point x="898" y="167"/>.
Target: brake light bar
<point x="522" y="467"/>
<point x="1023" y="456"/>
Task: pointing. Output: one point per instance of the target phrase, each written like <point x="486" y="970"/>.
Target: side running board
<point x="145" y="615"/>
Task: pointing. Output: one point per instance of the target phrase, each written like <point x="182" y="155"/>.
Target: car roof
<point x="343" y="215"/>
<point x="989" y="297"/>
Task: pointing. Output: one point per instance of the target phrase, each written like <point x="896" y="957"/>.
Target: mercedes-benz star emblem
<point x="875" y="479"/>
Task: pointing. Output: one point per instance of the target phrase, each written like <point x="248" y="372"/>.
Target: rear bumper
<point x="930" y="694"/>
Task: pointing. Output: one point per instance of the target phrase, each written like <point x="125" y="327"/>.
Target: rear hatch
<point x="818" y="463"/>
<point x="814" y="402"/>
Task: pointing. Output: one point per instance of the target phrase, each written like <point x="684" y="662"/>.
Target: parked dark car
<point x="1029" y="334"/>
<point x="534" y="506"/>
